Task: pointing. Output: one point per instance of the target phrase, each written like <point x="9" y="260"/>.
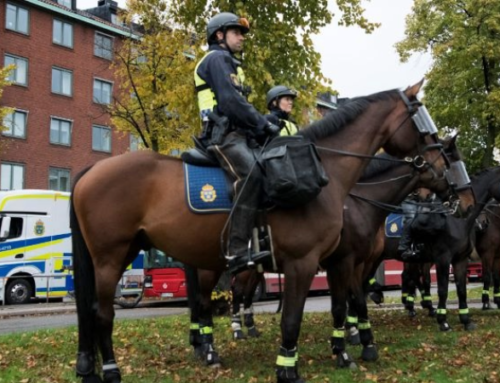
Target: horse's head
<point x="414" y="134"/>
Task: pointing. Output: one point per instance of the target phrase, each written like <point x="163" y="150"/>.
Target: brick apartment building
<point x="62" y="78"/>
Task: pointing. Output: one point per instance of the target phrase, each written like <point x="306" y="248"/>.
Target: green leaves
<point x="462" y="91"/>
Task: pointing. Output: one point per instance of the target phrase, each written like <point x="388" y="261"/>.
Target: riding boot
<point x="405" y="249"/>
<point x="241" y="254"/>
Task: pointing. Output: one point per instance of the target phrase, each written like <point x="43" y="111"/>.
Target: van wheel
<point x="18" y="291"/>
<point x="260" y="292"/>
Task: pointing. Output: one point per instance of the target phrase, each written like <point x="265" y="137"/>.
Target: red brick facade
<point x="35" y="151"/>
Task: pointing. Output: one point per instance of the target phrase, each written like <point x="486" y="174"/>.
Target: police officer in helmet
<point x="279" y="101"/>
<point x="220" y="86"/>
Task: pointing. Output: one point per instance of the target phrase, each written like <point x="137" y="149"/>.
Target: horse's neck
<point x="481" y="186"/>
<point x="390" y="193"/>
<point x="364" y="136"/>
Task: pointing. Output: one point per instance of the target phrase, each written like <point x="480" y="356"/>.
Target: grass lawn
<point x="156" y="350"/>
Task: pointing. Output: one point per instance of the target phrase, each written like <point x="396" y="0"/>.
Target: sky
<point x="359" y="64"/>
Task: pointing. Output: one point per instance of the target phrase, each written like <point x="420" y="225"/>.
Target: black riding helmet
<point x="277" y="92"/>
<point x="223" y="21"/>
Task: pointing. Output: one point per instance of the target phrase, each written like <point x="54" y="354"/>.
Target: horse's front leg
<point x="496" y="282"/>
<point x="358" y="300"/>
<point x="460" y="272"/>
<point x="337" y="275"/>
<point x="299" y="274"/>
<point x="443" y="277"/>
<point x="411" y="275"/>
<point x="426" y="302"/>
<point x="237" y="289"/>
<point x="487" y="268"/>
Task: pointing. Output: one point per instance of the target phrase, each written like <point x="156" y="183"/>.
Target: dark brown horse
<point x="452" y="245"/>
<point x="488" y="247"/>
<point x="383" y="186"/>
<point x="135" y="201"/>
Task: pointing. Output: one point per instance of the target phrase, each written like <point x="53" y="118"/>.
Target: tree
<point x="462" y="91"/>
<point x="4" y="74"/>
<point x="157" y="99"/>
<point x="155" y="71"/>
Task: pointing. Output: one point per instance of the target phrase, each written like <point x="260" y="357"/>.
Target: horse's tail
<point x="84" y="279"/>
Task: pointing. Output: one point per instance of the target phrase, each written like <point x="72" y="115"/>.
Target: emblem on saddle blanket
<point x="394" y="225"/>
<point x="206" y="189"/>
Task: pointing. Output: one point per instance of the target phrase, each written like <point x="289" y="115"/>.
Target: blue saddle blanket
<point x="206" y="189"/>
<point x="394" y="225"/>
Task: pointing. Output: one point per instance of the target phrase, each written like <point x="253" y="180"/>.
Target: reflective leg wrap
<point x="286" y="366"/>
<point x="111" y="372"/>
<point x="236" y="322"/>
<point x="337" y="340"/>
<point x="464" y="316"/>
<point x="248" y="317"/>
<point x="403" y="298"/>
<point x="351" y="322"/>
<point x="365" y="332"/>
<point x="426" y="302"/>
<point x="207" y="348"/>
<point x="85" y="364"/>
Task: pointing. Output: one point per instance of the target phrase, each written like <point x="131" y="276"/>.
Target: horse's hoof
<point x="212" y="359"/>
<point x="377" y="297"/>
<point x="238" y="335"/>
<point x="486" y="306"/>
<point x="288" y="375"/>
<point x="471" y="326"/>
<point x="253" y="332"/>
<point x="92" y="379"/>
<point x="345" y="361"/>
<point x="354" y="338"/>
<point x="412" y="313"/>
<point x="444" y="327"/>
<point x="432" y="312"/>
<point x="370" y="353"/>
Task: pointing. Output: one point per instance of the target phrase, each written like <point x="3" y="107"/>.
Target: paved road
<point x="44" y="316"/>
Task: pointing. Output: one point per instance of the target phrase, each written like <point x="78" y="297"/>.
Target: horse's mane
<point x="377" y="166"/>
<point x="334" y="121"/>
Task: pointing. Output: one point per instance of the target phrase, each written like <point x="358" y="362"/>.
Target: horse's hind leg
<point x="238" y="292"/>
<point x="496" y="282"/>
<point x="254" y="280"/>
<point x="426" y="302"/>
<point x="460" y="270"/>
<point x="107" y="277"/>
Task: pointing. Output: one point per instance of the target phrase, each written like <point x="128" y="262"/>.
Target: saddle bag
<point x="293" y="172"/>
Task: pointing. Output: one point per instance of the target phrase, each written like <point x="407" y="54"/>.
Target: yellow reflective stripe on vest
<point x="206" y="98"/>
<point x="290" y="129"/>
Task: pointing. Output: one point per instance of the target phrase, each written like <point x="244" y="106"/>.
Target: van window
<point x="16" y="227"/>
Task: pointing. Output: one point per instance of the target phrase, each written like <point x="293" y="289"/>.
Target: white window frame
<point x="62" y="26"/>
<point x="17" y="10"/>
<point x="99" y="50"/>
<point x="57" y="176"/>
<point x="11" y="117"/>
<point x="61" y="91"/>
<point x="100" y="148"/>
<point x="70" y="132"/>
<point x="16" y="72"/>
<point x="12" y="166"/>
<point x="101" y="82"/>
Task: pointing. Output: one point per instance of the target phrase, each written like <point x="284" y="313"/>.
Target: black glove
<point x="272" y="129"/>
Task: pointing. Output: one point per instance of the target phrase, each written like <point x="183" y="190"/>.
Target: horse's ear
<point x="412" y="91"/>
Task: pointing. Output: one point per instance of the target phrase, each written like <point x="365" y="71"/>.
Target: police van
<point x="35" y="245"/>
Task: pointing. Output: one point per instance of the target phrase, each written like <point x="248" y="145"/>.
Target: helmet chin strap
<point x="223" y="41"/>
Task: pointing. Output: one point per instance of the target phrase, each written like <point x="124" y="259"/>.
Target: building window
<point x="103" y="46"/>
<point x="62" y="33"/>
<point x="15" y="124"/>
<point x="101" y="138"/>
<point x="17" y="18"/>
<point x="60" y="131"/>
<point x="59" y="179"/>
<point x="12" y="177"/>
<point x="135" y="143"/>
<point x="62" y="81"/>
<point x="65" y="3"/>
<point x="102" y="91"/>
<point x="19" y="74"/>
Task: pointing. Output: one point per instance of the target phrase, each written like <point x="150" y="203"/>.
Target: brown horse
<point x="488" y="247"/>
<point x="136" y="200"/>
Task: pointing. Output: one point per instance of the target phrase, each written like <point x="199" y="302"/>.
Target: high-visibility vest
<point x="290" y="129"/>
<point x="206" y="97"/>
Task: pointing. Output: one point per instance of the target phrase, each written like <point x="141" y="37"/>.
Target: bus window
<point x="157" y="259"/>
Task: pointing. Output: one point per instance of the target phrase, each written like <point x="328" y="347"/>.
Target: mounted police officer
<point x="279" y="101"/>
<point x="230" y="124"/>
